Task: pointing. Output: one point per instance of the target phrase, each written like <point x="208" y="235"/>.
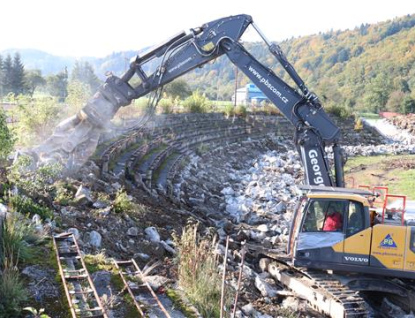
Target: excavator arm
<point x="75" y="139"/>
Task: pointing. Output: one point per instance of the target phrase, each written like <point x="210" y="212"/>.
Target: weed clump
<point x="16" y="234"/>
<point x="12" y="293"/>
<point x="198" y="272"/>
<point x="122" y="202"/>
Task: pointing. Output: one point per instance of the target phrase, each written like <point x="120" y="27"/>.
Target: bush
<point x="166" y="105"/>
<point x="36" y="118"/>
<point x="122" y="202"/>
<point x="228" y="110"/>
<point x="64" y="194"/>
<point x="78" y="95"/>
<point x="32" y="181"/>
<point x="26" y="205"/>
<point x="12" y="293"/>
<point x="267" y="108"/>
<point x="339" y="111"/>
<point x="197" y="103"/>
<point x="240" y="111"/>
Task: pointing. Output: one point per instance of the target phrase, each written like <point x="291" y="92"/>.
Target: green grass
<point x="180" y="303"/>
<point x="356" y="161"/>
<point x="369" y="115"/>
<point x="406" y="185"/>
<point x="160" y="148"/>
<point x="122" y="202"/>
<point x="156" y="174"/>
<point x="129" y="309"/>
<point x="12" y="293"/>
<point x="97" y="262"/>
<point x="394" y="171"/>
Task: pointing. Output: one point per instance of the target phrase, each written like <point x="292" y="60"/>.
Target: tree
<point x="408" y="105"/>
<point x="7" y="74"/>
<point x="78" y="95"/>
<point x="178" y="88"/>
<point x="7" y="138"/>
<point x="1" y="76"/>
<point x="401" y="84"/>
<point x="17" y="76"/>
<point x="395" y="101"/>
<point x="377" y="93"/>
<point x="36" y="118"/>
<point x="58" y="85"/>
<point x="34" y="79"/>
<point x="343" y="54"/>
<point x="84" y="72"/>
<point x="363" y="29"/>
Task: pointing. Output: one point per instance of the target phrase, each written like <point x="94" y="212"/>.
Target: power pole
<point x="236" y="86"/>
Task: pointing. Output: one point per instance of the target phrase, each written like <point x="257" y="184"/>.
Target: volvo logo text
<point x="356" y="259"/>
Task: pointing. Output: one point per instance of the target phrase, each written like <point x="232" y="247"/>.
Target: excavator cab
<point x="351" y="241"/>
<point x="331" y="226"/>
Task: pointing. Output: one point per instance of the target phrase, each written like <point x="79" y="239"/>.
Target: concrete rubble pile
<point x="397" y="130"/>
<point x="257" y="199"/>
<point x="405" y="122"/>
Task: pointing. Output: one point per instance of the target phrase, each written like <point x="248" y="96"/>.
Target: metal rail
<point x="80" y="291"/>
<point x="129" y="272"/>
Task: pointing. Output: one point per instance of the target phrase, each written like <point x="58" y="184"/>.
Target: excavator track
<point x="326" y="294"/>
<point x="80" y="291"/>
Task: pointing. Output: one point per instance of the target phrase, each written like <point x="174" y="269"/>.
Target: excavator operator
<point x="333" y="221"/>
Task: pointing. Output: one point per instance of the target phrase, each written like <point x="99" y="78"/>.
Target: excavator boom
<point x="76" y="138"/>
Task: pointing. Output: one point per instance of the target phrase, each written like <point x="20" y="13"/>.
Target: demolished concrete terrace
<point x="238" y="175"/>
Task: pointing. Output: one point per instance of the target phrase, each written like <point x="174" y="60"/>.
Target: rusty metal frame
<point x="137" y="272"/>
<point x="68" y="237"/>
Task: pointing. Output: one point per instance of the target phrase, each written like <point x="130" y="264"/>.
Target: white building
<point x="249" y="95"/>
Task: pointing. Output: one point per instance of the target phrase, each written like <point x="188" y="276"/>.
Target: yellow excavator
<point x="361" y="243"/>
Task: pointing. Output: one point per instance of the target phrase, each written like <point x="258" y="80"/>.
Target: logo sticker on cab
<point x="388" y="242"/>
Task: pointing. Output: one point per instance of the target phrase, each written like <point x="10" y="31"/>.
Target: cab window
<point x="356" y="218"/>
<point x="325" y="215"/>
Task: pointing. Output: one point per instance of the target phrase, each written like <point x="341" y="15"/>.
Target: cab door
<point x="356" y="246"/>
<point x="315" y="244"/>
<point x="350" y="243"/>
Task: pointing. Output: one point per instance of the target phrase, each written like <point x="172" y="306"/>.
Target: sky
<point x="98" y="28"/>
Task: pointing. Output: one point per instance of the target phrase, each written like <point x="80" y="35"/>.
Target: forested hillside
<point x="370" y="68"/>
